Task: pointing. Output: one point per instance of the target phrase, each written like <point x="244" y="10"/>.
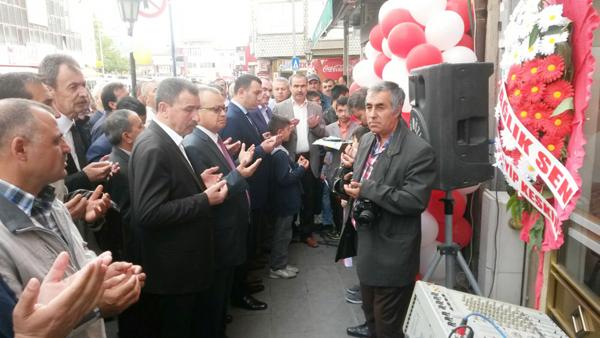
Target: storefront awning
<point x="324" y="22"/>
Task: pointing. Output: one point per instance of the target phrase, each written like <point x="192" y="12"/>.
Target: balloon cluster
<point x="413" y="34"/>
<point x="433" y="223"/>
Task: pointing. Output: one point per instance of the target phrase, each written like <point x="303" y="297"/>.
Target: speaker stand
<point x="451" y="252"/>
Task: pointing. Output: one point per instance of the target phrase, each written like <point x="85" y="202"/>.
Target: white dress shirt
<point x="175" y="137"/>
<point x="301" y="113"/>
<point x="150" y="115"/>
<point x="64" y="126"/>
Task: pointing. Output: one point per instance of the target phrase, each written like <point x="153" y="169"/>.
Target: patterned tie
<point x="225" y="153"/>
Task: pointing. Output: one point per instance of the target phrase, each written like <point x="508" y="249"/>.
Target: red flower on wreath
<point x="556" y="92"/>
<point x="539" y="115"/>
<point x="534" y="91"/>
<point x="516" y="96"/>
<point x="560" y="125"/>
<point x="515" y="77"/>
<point x="552" y="68"/>
<point x="531" y="71"/>
<point x="553" y="144"/>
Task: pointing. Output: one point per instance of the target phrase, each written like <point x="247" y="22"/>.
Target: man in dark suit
<point x="171" y="211"/>
<point x="111" y="94"/>
<point x="206" y="150"/>
<point x="394" y="170"/>
<point x="63" y="76"/>
<point x="247" y="89"/>
<point x="308" y="119"/>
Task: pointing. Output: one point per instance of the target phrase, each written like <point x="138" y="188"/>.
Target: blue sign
<point x="295" y="63"/>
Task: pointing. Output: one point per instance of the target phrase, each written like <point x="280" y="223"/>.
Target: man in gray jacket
<point x="34" y="226"/>
<point x="392" y="176"/>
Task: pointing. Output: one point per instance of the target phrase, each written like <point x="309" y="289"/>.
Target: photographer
<point x="391" y="182"/>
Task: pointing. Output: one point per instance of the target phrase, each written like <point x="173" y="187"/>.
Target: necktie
<point x="269" y="113"/>
<point x="79" y="146"/>
<point x="225" y="153"/>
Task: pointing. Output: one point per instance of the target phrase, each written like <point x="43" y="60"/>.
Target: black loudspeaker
<point x="450" y="111"/>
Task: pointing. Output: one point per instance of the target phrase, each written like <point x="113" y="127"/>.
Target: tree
<point x="114" y="61"/>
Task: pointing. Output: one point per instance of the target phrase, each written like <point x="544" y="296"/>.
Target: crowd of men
<point x="155" y="207"/>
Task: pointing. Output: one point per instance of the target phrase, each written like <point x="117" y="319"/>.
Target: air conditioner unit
<point x="501" y="251"/>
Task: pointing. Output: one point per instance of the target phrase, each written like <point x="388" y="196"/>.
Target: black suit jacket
<point x="400" y="185"/>
<point x="239" y="128"/>
<point x="172" y="216"/>
<point x="75" y="178"/>
<point x="232" y="216"/>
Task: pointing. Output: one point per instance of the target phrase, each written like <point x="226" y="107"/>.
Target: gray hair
<point x="17" y="119"/>
<point x="116" y="124"/>
<point x="395" y="91"/>
<point x="50" y="65"/>
<point x="169" y="89"/>
<point x="298" y="76"/>
<point x="14" y="85"/>
<point x="282" y="80"/>
<point x="146" y="86"/>
<point x="208" y="89"/>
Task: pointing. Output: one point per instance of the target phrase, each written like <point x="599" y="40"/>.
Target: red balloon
<point x="376" y="37"/>
<point x="466" y="41"/>
<point x="423" y="55"/>
<point x="461" y="232"/>
<point x="394" y="18"/>
<point x="404" y="37"/>
<point x="461" y="229"/>
<point x="460" y="7"/>
<point x="379" y="63"/>
<point x="353" y="88"/>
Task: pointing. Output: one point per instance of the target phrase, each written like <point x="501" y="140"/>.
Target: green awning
<point x="324" y="22"/>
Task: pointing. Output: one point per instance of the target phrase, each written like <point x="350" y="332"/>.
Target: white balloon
<point x="395" y="71"/>
<point x="370" y="52"/>
<point x="423" y="10"/>
<point x="427" y="255"/>
<point x="444" y="30"/>
<point x="390" y="5"/>
<point x="363" y="73"/>
<point x="385" y="48"/>
<point x="429" y="228"/>
<point x="459" y="54"/>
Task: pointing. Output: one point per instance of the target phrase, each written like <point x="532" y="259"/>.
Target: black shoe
<point x="249" y="303"/>
<point x="255" y="288"/>
<point x="228" y="319"/>
<point x="358" y="331"/>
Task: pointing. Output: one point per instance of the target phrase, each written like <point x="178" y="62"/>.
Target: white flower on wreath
<point x="508" y="141"/>
<point x="526" y="170"/>
<point x="498" y="158"/>
<point x="526" y="52"/>
<point x="547" y="45"/>
<point x="551" y="16"/>
<point x="553" y="39"/>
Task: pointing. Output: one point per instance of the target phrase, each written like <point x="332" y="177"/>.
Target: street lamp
<point x="129" y="13"/>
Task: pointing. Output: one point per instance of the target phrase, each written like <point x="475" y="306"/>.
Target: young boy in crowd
<point x="287" y="191"/>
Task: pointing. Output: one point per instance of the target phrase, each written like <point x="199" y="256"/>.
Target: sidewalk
<point x="311" y="305"/>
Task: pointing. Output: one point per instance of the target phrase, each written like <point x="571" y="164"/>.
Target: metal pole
<point x="172" y="41"/>
<point x="101" y="48"/>
<point x="293" y="31"/>
<point x="346" y="45"/>
<point x="448" y="211"/>
<point x="132" y="64"/>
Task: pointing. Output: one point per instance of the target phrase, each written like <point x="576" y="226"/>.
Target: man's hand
<point x="216" y="193"/>
<point x="303" y="162"/>
<point x="352" y="189"/>
<point x="115" y="166"/>
<point x="313" y="121"/>
<point x="77" y="206"/>
<point x="97" y="205"/>
<point x="211" y="176"/>
<point x="246" y="155"/>
<point x="98" y="171"/>
<point x="269" y="144"/>
<point x="248" y="170"/>
<point x="347" y="158"/>
<point x="294" y="122"/>
<point x="62" y="308"/>
<point x="123" y="283"/>
<point x="232" y="147"/>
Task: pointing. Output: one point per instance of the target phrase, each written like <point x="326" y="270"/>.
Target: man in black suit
<point x="206" y="150"/>
<point x="171" y="211"/>
<point x="63" y="76"/>
<point x="240" y="127"/>
<point x="394" y="170"/>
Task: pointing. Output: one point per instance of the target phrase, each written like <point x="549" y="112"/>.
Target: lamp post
<point x="129" y="13"/>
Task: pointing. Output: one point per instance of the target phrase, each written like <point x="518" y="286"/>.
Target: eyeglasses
<point x="216" y="109"/>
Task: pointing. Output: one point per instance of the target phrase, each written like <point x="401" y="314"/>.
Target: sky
<point x="226" y="22"/>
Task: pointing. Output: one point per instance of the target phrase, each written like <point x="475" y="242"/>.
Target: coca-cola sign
<point x="332" y="68"/>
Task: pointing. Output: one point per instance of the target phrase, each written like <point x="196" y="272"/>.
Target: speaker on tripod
<point x="450" y="111"/>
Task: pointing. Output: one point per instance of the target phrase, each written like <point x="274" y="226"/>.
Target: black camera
<point x="365" y="212"/>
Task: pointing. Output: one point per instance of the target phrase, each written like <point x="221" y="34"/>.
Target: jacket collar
<point x="12" y="217"/>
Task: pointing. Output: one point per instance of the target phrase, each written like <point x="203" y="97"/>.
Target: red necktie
<point x="226" y="153"/>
